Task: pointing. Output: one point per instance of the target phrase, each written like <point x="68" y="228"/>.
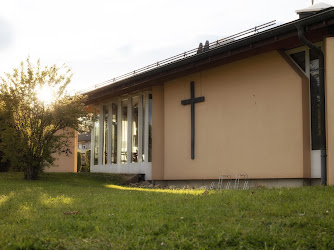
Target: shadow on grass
<point x="75" y="179"/>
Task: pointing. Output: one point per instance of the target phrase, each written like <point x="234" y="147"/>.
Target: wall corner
<point x="329" y="99"/>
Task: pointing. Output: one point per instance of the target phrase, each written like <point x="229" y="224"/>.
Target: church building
<point x="258" y="104"/>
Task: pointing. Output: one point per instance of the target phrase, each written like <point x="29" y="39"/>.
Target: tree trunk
<point x="31" y="173"/>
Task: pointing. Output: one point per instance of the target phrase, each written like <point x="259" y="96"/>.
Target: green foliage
<point x="79" y="156"/>
<point x="33" y="131"/>
<point x="4" y="165"/>
<point x="286" y="218"/>
<point x="87" y="160"/>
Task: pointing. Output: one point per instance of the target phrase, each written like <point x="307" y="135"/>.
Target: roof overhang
<point x="282" y="37"/>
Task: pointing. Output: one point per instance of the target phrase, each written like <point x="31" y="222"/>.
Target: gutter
<point x="319" y="53"/>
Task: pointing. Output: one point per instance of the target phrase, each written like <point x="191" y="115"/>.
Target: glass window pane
<point x="150" y="128"/>
<point x="315" y="101"/>
<point x="96" y="141"/>
<point x="124" y="131"/>
<point x="114" y="134"/>
<point x="105" y="134"/>
<point x="134" y="140"/>
<point x="143" y="127"/>
<point x="299" y="58"/>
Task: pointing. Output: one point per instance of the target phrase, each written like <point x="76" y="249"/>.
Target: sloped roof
<point x="281" y="37"/>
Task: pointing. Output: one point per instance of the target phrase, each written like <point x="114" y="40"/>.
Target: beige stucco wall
<point x="250" y="123"/>
<point x="66" y="163"/>
<point x="329" y="90"/>
<point x="158" y="133"/>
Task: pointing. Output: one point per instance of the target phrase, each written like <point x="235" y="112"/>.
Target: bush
<point x="79" y="161"/>
<point x="87" y="160"/>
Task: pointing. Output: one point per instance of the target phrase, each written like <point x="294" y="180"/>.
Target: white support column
<point x="101" y="136"/>
<point x="140" y="127"/>
<point x="119" y="130"/>
<point x="146" y="126"/>
<point x="109" y="132"/>
<point x="129" y="135"/>
<point x="92" y="144"/>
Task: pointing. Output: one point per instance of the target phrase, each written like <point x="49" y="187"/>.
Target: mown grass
<point x="111" y="217"/>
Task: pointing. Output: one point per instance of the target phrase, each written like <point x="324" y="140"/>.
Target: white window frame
<point x="140" y="167"/>
<point x="307" y="57"/>
<point x="315" y="154"/>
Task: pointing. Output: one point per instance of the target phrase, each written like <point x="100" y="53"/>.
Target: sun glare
<point x="46" y="95"/>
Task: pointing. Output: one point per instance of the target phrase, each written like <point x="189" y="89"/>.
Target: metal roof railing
<point x="214" y="45"/>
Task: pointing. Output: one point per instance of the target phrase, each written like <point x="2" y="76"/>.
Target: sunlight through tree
<point x="38" y="116"/>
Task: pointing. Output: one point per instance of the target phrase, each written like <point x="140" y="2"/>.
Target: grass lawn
<point x="44" y="214"/>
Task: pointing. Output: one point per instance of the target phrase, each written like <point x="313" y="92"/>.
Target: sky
<point x="103" y="39"/>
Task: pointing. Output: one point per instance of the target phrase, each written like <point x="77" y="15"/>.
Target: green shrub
<point x="87" y="160"/>
<point x="79" y="161"/>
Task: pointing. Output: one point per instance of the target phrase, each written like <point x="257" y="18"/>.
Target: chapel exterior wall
<point x="251" y="122"/>
<point x="66" y="163"/>
<point x="158" y="133"/>
<point x="329" y="90"/>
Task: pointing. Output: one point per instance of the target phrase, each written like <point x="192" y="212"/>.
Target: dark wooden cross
<point x="192" y="102"/>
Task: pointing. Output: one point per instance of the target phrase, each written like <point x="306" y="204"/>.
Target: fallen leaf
<point x="71" y="213"/>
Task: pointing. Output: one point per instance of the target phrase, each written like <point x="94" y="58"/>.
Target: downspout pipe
<point x="321" y="57"/>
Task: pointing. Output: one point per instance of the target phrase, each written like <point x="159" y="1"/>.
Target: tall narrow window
<point x="134" y="140"/>
<point x="143" y="127"/>
<point x="114" y="134"/>
<point x="315" y="101"/>
<point x="105" y="134"/>
<point x="150" y="128"/>
<point x="96" y="141"/>
<point x="309" y="62"/>
<point x="124" y="131"/>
